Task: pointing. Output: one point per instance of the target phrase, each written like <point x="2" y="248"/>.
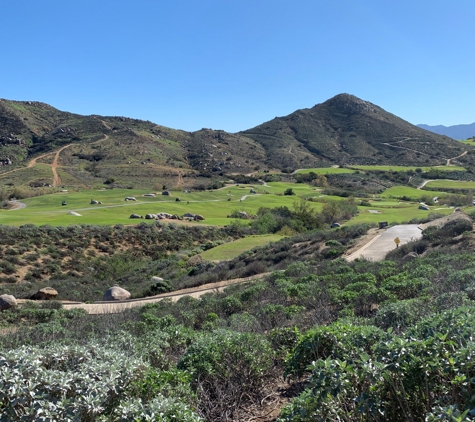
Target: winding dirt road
<point x="454" y="158"/>
<point x="56" y="178"/>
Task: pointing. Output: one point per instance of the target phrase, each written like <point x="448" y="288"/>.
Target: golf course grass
<point x="325" y="170"/>
<point x="215" y="206"/>
<point x="451" y="184"/>
<point x="406" y="168"/>
<point x="234" y="249"/>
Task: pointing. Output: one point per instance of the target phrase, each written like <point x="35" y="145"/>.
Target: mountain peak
<point x="350" y="104"/>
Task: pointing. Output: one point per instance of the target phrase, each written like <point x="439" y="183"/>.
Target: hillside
<point x="129" y="151"/>
<point x="460" y="132"/>
<point x="40" y="145"/>
<point x="347" y="130"/>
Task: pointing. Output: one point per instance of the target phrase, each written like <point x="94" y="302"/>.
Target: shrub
<point x="228" y="370"/>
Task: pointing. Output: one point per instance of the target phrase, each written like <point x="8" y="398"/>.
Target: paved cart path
<point x="377" y="248"/>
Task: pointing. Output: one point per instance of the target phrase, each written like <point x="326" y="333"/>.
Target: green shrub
<point x="229" y="370"/>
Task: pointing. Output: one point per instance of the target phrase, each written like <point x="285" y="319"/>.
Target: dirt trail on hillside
<point x="454" y="158"/>
<point x="56" y="178"/>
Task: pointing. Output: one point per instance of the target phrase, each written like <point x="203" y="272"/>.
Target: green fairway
<point x="213" y="205"/>
<point x="396" y="214"/>
<point x="395" y="211"/>
<point x="451" y="184"/>
<point x="234" y="249"/>
<point x="406" y="168"/>
<point x="413" y="193"/>
<point x="325" y="170"/>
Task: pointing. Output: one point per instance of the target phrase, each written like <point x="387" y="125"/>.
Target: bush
<point x="228" y="370"/>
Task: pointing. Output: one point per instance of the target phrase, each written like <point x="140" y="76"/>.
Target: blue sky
<point x="233" y="64"/>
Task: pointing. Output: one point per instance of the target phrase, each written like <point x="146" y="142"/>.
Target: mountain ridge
<point x="460" y="132"/>
<point x="343" y="130"/>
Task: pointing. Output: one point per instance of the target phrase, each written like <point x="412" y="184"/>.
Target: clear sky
<point x="233" y="64"/>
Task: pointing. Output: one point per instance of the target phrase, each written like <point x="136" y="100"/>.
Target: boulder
<point x="167" y="193"/>
<point x="94" y="202"/>
<point x="410" y="256"/>
<point x="149" y="194"/>
<point x="151" y="216"/>
<point x="74" y="213"/>
<point x="199" y="217"/>
<point x="46" y="293"/>
<point x="335" y="225"/>
<point x="252" y="191"/>
<point x="156" y="279"/>
<point x="130" y="198"/>
<point x="189" y="214"/>
<point x="135" y="216"/>
<point x="7" y="302"/>
<point x="116" y="293"/>
<point x="243" y="214"/>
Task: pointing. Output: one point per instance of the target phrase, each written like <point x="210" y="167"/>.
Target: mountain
<point x="130" y="151"/>
<point x="460" y="132"/>
<point x="88" y="150"/>
<point x="348" y="130"/>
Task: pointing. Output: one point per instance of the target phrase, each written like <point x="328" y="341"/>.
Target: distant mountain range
<point x="342" y="130"/>
<point x="459" y="132"/>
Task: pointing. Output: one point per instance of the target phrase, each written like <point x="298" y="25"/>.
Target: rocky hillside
<point x="342" y="130"/>
<point x="128" y="151"/>
<point x="348" y="130"/>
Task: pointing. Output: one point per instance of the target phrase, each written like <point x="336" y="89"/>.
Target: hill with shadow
<point x="348" y="130"/>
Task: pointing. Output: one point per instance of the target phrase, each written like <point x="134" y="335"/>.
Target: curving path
<point x="377" y="248"/>
<point x="454" y="158"/>
<point x="122" y="305"/>
<point x="424" y="183"/>
<point x="56" y="178"/>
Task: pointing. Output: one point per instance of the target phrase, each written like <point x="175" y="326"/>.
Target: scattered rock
<point x="149" y="194"/>
<point x="46" y="293"/>
<point x="7" y="302"/>
<point x="199" y="217"/>
<point x="410" y="256"/>
<point x="151" y="217"/>
<point x="116" y="293"/>
<point x="189" y="214"/>
<point x="135" y="216"/>
<point x="130" y="198"/>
